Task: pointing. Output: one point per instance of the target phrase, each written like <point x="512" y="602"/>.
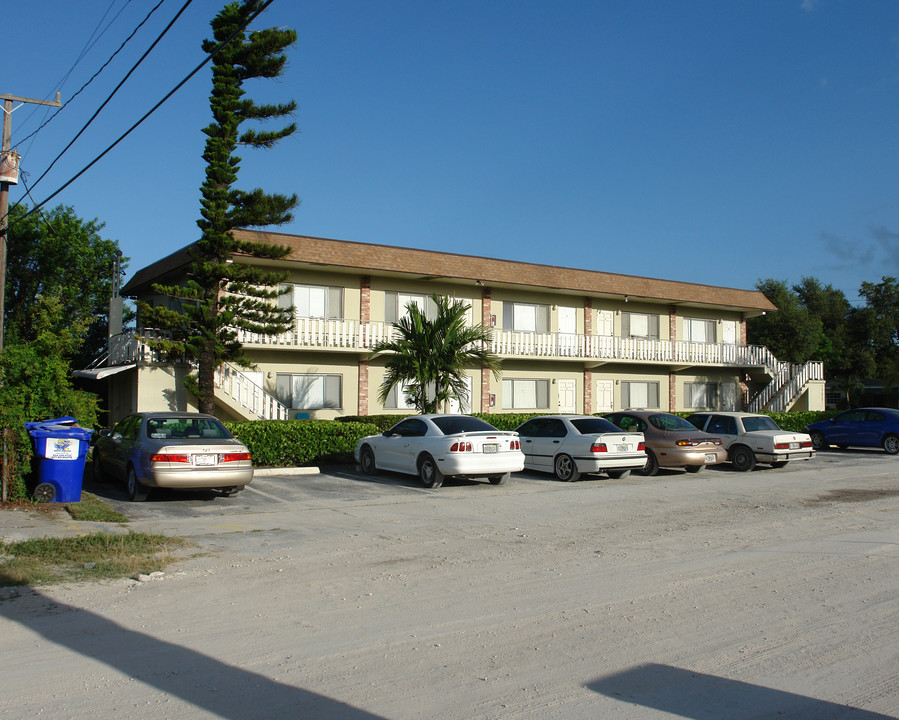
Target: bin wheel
<point x="45" y="492"/>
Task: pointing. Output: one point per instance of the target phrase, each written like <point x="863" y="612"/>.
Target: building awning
<point x="100" y="373"/>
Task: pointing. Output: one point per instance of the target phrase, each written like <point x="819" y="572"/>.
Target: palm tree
<point x="429" y="357"/>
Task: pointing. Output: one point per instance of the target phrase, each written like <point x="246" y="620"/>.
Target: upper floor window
<point x="396" y="305"/>
<point x="314" y="301"/>
<point x="699" y="331"/>
<point x="640" y="325"/>
<point x="525" y="317"/>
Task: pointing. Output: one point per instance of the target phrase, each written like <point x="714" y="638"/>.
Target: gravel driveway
<point x="721" y="595"/>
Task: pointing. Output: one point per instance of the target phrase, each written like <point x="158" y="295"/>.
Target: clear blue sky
<point x="703" y="141"/>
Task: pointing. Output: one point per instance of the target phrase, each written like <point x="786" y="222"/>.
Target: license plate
<point x="624" y="448"/>
<point x="491" y="448"/>
<point x="710" y="457"/>
<point x="794" y="446"/>
<point x="204" y="459"/>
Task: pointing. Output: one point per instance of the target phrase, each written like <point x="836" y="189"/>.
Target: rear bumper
<point x="595" y="464"/>
<point x="691" y="458"/>
<point x="188" y="478"/>
<point x="785" y="456"/>
<point x="481" y="464"/>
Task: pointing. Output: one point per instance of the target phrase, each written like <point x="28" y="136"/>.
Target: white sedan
<point x="438" y="446"/>
<point x="569" y="445"/>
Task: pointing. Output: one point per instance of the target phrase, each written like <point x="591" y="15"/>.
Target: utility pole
<point x="9" y="175"/>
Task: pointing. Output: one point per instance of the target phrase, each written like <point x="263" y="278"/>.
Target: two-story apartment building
<point x="570" y="340"/>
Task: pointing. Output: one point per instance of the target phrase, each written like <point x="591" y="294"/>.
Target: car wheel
<point x="818" y="440"/>
<point x="618" y="474"/>
<point x="367" y="461"/>
<point x="742" y="458"/>
<point x="652" y="464"/>
<point x="500" y="479"/>
<point x="229" y="491"/>
<point x="45" y="492"/>
<point x="565" y="468"/>
<point x="693" y="468"/>
<point x="429" y="473"/>
<point x="779" y="463"/>
<point x="137" y="491"/>
<point x="891" y="444"/>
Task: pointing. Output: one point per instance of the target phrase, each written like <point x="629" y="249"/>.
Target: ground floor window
<point x="309" y="391"/>
<point x="701" y="395"/>
<point x="637" y="395"/>
<point x="524" y="394"/>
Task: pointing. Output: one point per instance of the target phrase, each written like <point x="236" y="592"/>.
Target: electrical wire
<point x="197" y="69"/>
<point x="95" y="75"/>
<point x="115" y="90"/>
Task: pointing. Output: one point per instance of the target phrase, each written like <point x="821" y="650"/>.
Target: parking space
<point x="345" y="485"/>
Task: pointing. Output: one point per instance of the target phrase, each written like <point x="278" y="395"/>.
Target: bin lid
<point x="58" y="427"/>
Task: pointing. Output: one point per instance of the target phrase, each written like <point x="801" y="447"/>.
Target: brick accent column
<point x="743" y="332"/>
<point x="588" y="316"/>
<point x="365" y="299"/>
<point x="363" y="388"/>
<point x="672" y="323"/>
<point x="588" y="392"/>
<point x="672" y="392"/>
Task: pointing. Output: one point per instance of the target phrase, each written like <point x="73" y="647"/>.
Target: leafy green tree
<point x="222" y="296"/>
<point x="58" y="254"/>
<point x="792" y="333"/>
<point x="35" y="379"/>
<point x="429" y="356"/>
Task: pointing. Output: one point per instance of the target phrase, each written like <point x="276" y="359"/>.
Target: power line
<point x="115" y="90"/>
<point x="197" y="69"/>
<point x="96" y="74"/>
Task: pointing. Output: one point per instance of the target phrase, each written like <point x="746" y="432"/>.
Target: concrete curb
<point x="276" y="472"/>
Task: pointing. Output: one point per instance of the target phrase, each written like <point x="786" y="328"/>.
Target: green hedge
<point x="295" y="443"/>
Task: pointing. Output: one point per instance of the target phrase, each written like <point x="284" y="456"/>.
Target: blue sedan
<point x="866" y="427"/>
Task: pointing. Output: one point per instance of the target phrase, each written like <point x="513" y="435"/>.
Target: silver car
<point x="183" y="451"/>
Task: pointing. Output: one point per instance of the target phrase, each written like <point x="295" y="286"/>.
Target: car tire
<point x="819" y="442"/>
<point x="652" y="464"/>
<point x="618" y="474"/>
<point x="44" y="492"/>
<point x="780" y="463"/>
<point x="137" y="491"/>
<point x="565" y="468"/>
<point x="693" y="468"/>
<point x="742" y="458"/>
<point x="891" y="444"/>
<point x="500" y="479"/>
<point x="429" y="473"/>
<point x="367" y="461"/>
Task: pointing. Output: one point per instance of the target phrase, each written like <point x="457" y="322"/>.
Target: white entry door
<point x="567" y="331"/>
<point x="604" y="396"/>
<point x="457" y="408"/>
<point x="567" y="396"/>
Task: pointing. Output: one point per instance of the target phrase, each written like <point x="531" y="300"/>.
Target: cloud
<point x="808" y="5"/>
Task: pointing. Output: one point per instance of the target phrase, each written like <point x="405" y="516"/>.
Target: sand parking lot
<point x="721" y="595"/>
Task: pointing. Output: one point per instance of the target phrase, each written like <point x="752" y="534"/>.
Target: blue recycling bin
<point x="60" y="450"/>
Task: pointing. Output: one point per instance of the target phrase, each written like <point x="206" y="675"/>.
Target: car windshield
<point x="450" y="425"/>
<point x="670" y="422"/>
<point x="759" y="422"/>
<point x="165" y="428"/>
<point x="589" y="426"/>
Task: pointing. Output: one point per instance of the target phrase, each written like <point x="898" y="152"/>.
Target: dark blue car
<point x="868" y="427"/>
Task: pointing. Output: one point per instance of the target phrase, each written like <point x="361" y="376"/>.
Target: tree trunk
<point x="206" y="378"/>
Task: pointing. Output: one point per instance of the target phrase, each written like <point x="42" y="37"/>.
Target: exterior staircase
<point x="789" y="381"/>
<point x="235" y="391"/>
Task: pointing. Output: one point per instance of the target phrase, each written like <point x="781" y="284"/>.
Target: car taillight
<point x="781" y="446"/>
<point x="170" y="457"/>
<point x="234" y="457"/>
<point x="460" y="447"/>
<point x="687" y="443"/>
<point x="807" y="444"/>
<point x="641" y="446"/>
<point x="514" y="445"/>
<point x="598" y="447"/>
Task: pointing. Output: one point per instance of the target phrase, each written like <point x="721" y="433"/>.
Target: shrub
<point x="295" y="443"/>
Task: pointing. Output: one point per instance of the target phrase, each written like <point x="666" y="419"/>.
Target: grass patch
<point x="93" y="509"/>
<point x="99" y="556"/>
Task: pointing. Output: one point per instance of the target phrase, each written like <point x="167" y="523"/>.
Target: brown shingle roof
<point x="369" y="258"/>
